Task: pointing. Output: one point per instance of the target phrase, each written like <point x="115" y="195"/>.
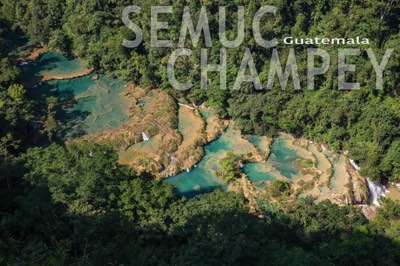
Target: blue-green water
<point x="198" y="181"/>
<point x="52" y="63"/>
<point x="258" y="172"/>
<point x="283" y="158"/>
<point x="87" y="105"/>
<point x="255" y="140"/>
<point x="142" y="102"/>
<point x="203" y="179"/>
<point x="206" y="114"/>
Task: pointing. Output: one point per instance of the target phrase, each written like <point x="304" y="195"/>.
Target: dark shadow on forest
<point x="16" y="42"/>
<point x="205" y="232"/>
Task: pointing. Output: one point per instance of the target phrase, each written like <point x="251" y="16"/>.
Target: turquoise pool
<point x="283" y="158"/>
<point x="202" y="179"/>
<point x="88" y="104"/>
<point x="54" y="64"/>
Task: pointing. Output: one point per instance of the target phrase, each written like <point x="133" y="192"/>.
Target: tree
<point x="51" y="124"/>
<point x="83" y="176"/>
<point x="16" y="92"/>
<point x="391" y="161"/>
<point x="9" y="72"/>
<point x="231" y="167"/>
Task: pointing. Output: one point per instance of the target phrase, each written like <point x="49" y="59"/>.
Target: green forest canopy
<point x="59" y="205"/>
<point x="365" y="122"/>
<point x="77" y="205"/>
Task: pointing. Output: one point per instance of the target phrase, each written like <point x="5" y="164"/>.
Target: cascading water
<point x="353" y="163"/>
<point x="375" y="190"/>
<point x="145" y="137"/>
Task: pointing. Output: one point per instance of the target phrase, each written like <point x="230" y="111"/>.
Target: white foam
<point x="145" y="137"/>
<point x="375" y="190"/>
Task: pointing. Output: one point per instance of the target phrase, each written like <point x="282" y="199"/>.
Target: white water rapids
<point x="145" y="137"/>
<point x="375" y="190"/>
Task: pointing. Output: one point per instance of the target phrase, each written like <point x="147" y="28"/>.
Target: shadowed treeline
<point x="76" y="205"/>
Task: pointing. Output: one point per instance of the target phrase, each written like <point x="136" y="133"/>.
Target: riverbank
<point x="33" y="54"/>
<point x="393" y="191"/>
<point x="82" y="73"/>
<point x="40" y="65"/>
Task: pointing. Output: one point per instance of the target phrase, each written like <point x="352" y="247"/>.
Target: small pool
<point x="283" y="158"/>
<point x="52" y="64"/>
<point x="206" y="114"/>
<point x="202" y="179"/>
<point x="255" y="140"/>
<point x="281" y="161"/>
<point x="258" y="172"/>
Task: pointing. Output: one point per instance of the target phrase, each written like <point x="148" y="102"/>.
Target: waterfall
<point x="145" y="137"/>
<point x="375" y="190"/>
<point x="353" y="163"/>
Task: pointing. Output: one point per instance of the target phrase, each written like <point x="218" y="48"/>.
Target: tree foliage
<point x="77" y="205"/>
<point x="93" y="30"/>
